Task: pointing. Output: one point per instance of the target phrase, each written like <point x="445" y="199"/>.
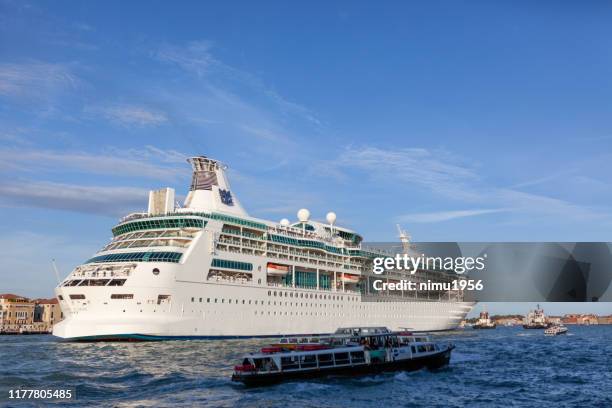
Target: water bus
<point x="349" y="352"/>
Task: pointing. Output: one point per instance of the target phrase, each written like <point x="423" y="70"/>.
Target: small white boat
<point x="555" y="330"/>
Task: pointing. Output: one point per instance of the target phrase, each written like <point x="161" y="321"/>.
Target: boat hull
<point x="536" y="326"/>
<point x="101" y="318"/>
<point x="431" y="362"/>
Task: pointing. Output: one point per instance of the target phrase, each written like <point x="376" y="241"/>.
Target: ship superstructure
<point x="208" y="269"/>
<point x="536" y="319"/>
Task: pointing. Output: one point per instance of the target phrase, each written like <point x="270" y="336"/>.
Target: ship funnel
<point x="210" y="189"/>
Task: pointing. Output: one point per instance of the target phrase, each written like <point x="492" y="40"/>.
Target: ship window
<point x="308" y="361"/>
<point x="158" y="224"/>
<point x="215" y="300"/>
<point x="325" y="360"/>
<point x="342" y="358"/>
<point x="229" y="301"/>
<point x="200" y="300"/>
<point x="207" y="300"/>
<point x="77" y="296"/>
<point x="60" y="297"/>
<point x="122" y="296"/>
<point x="357" y="357"/>
<point x="289" y="363"/>
<point x="116" y="282"/>
<point x="192" y="300"/>
<point x="138" y="257"/>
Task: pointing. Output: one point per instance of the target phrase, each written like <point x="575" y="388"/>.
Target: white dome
<point x="284" y="222"/>
<point x="331" y="217"/>
<point x="303" y="215"/>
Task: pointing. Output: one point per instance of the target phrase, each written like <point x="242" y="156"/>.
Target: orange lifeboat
<point x="349" y="278"/>
<point x="277" y="270"/>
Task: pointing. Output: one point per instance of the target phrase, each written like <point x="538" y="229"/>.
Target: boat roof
<point x="363" y="331"/>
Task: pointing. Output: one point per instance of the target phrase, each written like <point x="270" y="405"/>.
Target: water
<point x="506" y="366"/>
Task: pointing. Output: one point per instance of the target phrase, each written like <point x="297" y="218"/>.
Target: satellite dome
<point x="303" y="215"/>
<point x="331" y="217"/>
<point x="284" y="222"/>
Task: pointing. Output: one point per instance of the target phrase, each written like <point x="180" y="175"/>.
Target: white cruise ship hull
<point x="141" y="318"/>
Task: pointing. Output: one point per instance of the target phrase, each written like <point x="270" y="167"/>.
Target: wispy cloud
<point x="35" y="79"/>
<point x="109" y="201"/>
<point x="129" y="115"/>
<point x="446" y="215"/>
<point x="435" y="170"/>
<point x="444" y="174"/>
<point x="194" y="57"/>
<point x="149" y="162"/>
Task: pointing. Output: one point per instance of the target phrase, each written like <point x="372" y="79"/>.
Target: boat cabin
<point x="348" y="348"/>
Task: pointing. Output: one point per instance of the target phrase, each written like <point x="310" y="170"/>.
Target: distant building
<point x="604" y="319"/>
<point x="582" y="319"/>
<point x="508" y="321"/>
<point x="15" y="312"/>
<point x="570" y="319"/>
<point x="588" y="319"/>
<point x="47" y="312"/>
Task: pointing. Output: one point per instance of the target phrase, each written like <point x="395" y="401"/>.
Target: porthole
<point x="155" y="271"/>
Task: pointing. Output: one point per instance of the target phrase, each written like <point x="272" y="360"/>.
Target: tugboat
<point x="536" y="320"/>
<point x="484" y="321"/>
<point x="349" y="352"/>
<point x="555" y="330"/>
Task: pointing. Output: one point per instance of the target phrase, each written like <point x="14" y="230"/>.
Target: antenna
<point x="404" y="238"/>
<point x="56" y="271"/>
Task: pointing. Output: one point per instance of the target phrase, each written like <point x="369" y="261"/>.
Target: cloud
<point x="130" y="115"/>
<point x="443" y="173"/>
<point x="437" y="171"/>
<point x="149" y="162"/>
<point x="109" y="201"/>
<point x="35" y="79"/>
<point x="194" y="57"/>
<point x="447" y="215"/>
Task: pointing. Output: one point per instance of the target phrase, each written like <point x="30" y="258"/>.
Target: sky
<point x="460" y="120"/>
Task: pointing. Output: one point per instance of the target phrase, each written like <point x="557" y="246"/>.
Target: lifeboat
<point x="277" y="270"/>
<point x="349" y="278"/>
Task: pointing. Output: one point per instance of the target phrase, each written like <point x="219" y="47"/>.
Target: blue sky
<point x="463" y="121"/>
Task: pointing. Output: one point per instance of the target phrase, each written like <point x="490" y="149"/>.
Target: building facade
<point x="15" y="313"/>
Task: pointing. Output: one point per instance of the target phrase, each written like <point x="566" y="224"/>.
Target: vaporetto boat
<point x="207" y="269"/>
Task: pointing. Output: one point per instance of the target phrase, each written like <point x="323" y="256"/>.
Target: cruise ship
<point x="207" y="269"/>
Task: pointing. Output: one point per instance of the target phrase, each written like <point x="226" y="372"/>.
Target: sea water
<point x="508" y="366"/>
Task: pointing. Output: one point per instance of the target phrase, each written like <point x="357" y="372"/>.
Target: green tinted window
<point x="174" y="257"/>
<point x="162" y="223"/>
<point x="223" y="263"/>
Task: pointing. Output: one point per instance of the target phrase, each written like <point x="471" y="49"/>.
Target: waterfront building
<point x="15" y="312"/>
